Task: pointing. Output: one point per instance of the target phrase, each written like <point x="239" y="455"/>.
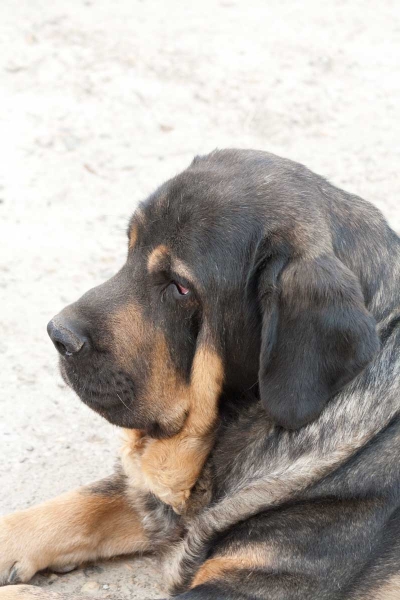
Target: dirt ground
<point x="100" y="102"/>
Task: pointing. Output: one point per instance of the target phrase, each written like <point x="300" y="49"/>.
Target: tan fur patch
<point x="69" y="530"/>
<point x="170" y="467"/>
<point x="156" y="256"/>
<point x="183" y="270"/>
<point x="171" y="393"/>
<point x="129" y="331"/>
<point x="160" y="254"/>
<point x="249" y="558"/>
<point x="133" y="236"/>
<point x="137" y="221"/>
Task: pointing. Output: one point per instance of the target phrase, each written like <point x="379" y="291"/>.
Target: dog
<point x="249" y="349"/>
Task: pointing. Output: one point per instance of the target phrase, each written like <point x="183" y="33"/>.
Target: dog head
<point x="232" y="280"/>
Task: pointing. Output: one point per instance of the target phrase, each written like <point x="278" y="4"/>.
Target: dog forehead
<point x="190" y="198"/>
<point x="225" y="185"/>
<point x="200" y="208"/>
<point x="226" y="200"/>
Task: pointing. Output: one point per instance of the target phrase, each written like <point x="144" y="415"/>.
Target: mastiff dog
<point x="249" y="349"/>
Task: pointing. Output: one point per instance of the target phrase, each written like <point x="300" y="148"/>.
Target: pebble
<point x="91" y="587"/>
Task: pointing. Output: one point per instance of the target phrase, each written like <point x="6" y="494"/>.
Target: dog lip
<point x="114" y="412"/>
<point x="91" y="389"/>
<point x="104" y="398"/>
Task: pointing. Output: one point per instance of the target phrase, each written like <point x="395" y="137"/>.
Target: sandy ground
<point x="100" y="102"/>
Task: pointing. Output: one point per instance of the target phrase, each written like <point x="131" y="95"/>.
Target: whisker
<point x="126" y="406"/>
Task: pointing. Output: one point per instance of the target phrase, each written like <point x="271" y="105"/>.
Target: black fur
<point x="316" y="337"/>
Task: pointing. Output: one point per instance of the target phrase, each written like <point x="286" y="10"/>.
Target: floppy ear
<point x="317" y="335"/>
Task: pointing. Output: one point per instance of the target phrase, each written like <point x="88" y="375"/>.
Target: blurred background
<point x="100" y="102"/>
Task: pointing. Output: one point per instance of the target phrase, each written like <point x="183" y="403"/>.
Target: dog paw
<point x="18" y="572"/>
<point x="15" y="566"/>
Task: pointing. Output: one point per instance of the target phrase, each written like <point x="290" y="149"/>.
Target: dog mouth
<point x="113" y="395"/>
<point x="109" y="393"/>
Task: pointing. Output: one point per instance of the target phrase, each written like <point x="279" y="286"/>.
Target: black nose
<point x="66" y="336"/>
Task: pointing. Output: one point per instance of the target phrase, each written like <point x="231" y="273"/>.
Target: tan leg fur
<point x="73" y="528"/>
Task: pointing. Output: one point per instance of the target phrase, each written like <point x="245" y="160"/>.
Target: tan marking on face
<point x="156" y="256"/>
<point x="167" y="397"/>
<point x="133" y="236"/>
<point x="184" y="271"/>
<point x="138" y="219"/>
<point x="206" y="386"/>
<point x="170" y="467"/>
<point x="166" y="385"/>
<point x="130" y="333"/>
<point x="249" y="558"/>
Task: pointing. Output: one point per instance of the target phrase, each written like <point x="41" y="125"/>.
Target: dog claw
<point x="14" y="576"/>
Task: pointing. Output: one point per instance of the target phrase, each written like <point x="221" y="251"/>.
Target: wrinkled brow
<point x="162" y="259"/>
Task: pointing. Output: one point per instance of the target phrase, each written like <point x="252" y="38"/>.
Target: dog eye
<point x="180" y="289"/>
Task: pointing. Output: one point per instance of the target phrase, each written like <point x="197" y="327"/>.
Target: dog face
<point x="231" y="281"/>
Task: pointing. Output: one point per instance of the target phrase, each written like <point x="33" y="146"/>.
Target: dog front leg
<point x="90" y="523"/>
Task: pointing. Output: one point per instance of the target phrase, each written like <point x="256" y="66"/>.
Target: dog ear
<point x="317" y="334"/>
